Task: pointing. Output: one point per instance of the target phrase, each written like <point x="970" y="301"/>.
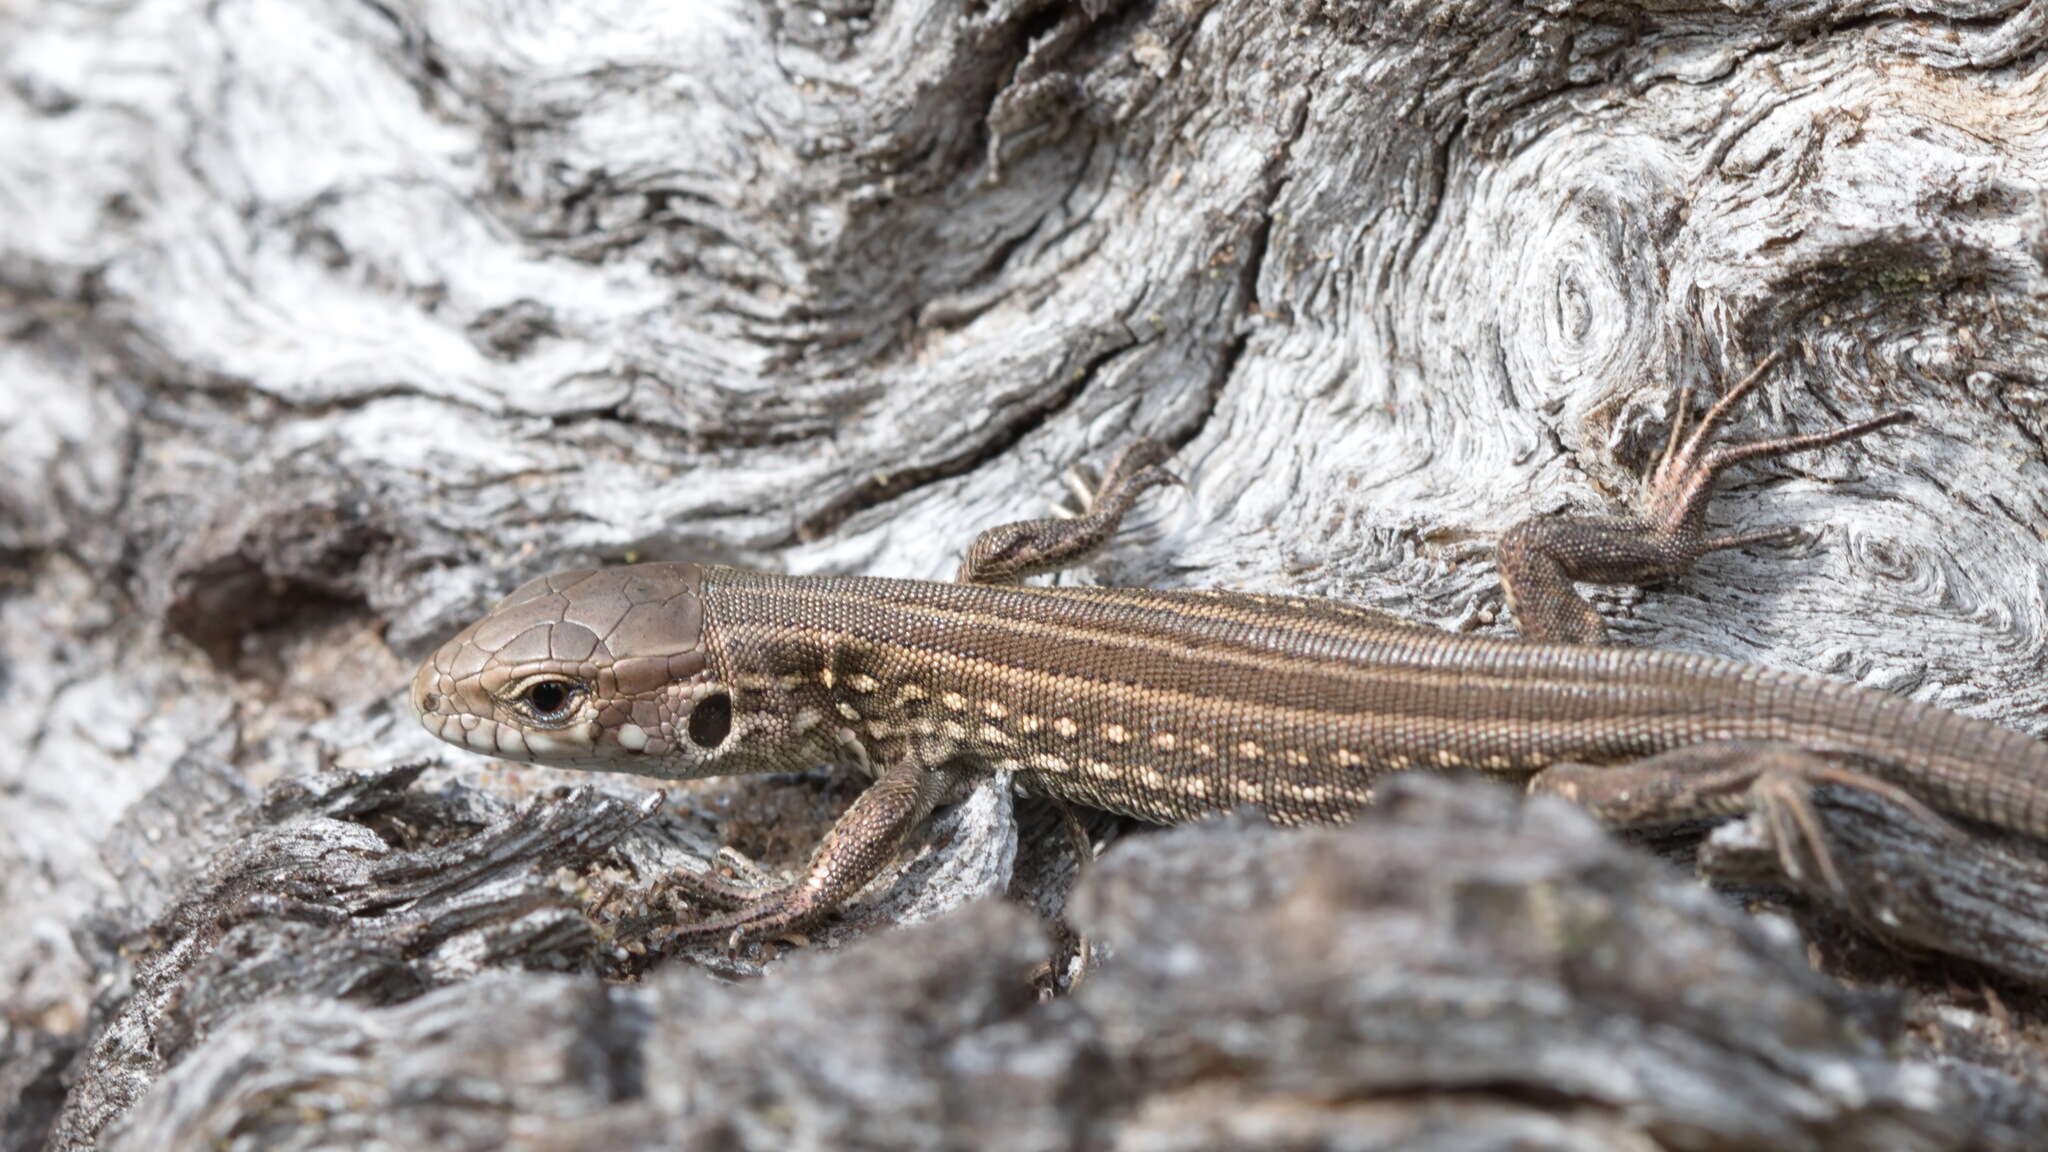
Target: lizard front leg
<point x="1007" y="553"/>
<point x="1541" y="557"/>
<point x="865" y="838"/>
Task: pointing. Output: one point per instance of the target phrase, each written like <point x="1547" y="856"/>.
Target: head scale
<point x="596" y="668"/>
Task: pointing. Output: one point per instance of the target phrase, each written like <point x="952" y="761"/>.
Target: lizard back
<point x="1165" y="705"/>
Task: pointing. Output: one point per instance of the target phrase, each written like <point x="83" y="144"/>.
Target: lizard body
<point x="1167" y="705"/>
<point x="1161" y="705"/>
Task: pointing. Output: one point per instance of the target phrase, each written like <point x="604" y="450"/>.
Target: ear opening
<point x="710" y="721"/>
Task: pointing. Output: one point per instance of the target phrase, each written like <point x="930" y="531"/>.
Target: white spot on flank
<point x="633" y="738"/>
<point x="993" y="710"/>
<point x="1116" y="733"/>
<point x="862" y="682"/>
<point x="953" y="700"/>
<point x="848" y="710"/>
<point x="1065" y="727"/>
<point x="825" y="677"/>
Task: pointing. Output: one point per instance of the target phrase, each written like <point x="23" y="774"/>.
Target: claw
<point x="1689" y="454"/>
<point x="1786" y="803"/>
<point x="1679" y="411"/>
<point x="1683" y="480"/>
<point x="707" y="887"/>
<point x="1721" y="458"/>
<point x="761" y="919"/>
<point x="1085" y="484"/>
<point x="1136" y="457"/>
<point x="1782" y="535"/>
<point x="1784" y="797"/>
<point x="745" y="867"/>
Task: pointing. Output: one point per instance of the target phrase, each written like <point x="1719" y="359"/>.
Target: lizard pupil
<point x="548" y="696"/>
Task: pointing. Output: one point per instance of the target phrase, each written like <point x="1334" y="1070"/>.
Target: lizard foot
<point x="1682" y="482"/>
<point x="1090" y="490"/>
<point x="701" y="907"/>
<point x="1541" y="557"/>
<point x="710" y="888"/>
<point x="1775" y="781"/>
<point x="776" y="914"/>
<point x="1009" y="552"/>
<point x="691" y="905"/>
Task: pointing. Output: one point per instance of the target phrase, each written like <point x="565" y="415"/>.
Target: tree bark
<point x="327" y="324"/>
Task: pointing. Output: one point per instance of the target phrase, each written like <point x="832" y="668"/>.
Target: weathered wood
<point x="324" y="325"/>
<point x="1455" y="964"/>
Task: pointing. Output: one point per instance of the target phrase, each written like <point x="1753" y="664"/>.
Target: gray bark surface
<point x="323" y="325"/>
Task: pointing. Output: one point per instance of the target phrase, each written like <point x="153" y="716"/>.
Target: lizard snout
<point x="426" y="702"/>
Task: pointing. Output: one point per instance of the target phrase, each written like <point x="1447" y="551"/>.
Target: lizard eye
<point x="549" y="701"/>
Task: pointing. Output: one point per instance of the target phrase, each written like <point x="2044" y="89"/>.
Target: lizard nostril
<point x="430" y="702"/>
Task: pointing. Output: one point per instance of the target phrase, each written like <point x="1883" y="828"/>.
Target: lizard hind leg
<point x="1009" y="552"/>
<point x="1541" y="557"/>
<point x="1707" y="781"/>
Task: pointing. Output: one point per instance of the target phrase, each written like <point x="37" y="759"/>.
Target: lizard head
<point x="596" y="668"/>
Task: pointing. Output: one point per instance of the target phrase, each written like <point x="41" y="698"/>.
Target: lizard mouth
<point x="509" y="741"/>
<point x="444" y="709"/>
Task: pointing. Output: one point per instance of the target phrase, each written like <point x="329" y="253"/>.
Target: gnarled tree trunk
<point x="327" y="323"/>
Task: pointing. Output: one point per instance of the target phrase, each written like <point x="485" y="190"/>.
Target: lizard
<point x="1170" y="705"/>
